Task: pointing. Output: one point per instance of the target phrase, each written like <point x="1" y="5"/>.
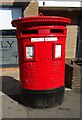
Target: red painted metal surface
<point x="41" y="46"/>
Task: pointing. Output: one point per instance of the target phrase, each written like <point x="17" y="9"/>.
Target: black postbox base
<point x="42" y="99"/>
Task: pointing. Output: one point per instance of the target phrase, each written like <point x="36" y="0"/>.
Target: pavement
<point x="12" y="108"/>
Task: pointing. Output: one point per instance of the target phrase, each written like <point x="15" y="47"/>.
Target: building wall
<point x="8" y="42"/>
<point x="79" y="52"/>
<point x="71" y="41"/>
<point x="31" y="9"/>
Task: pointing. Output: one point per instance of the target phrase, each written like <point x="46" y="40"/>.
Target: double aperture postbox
<point x="41" y="48"/>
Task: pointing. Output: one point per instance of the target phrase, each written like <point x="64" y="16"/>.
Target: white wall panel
<point x="7" y="15"/>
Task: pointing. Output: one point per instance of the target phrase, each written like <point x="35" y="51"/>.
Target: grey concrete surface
<point x="11" y="107"/>
<point x="70" y="108"/>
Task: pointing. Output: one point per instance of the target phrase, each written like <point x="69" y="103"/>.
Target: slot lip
<point x="51" y="30"/>
<point x="37" y="32"/>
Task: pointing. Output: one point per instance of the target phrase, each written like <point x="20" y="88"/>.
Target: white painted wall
<point x="7" y="15"/>
<point x="55" y="3"/>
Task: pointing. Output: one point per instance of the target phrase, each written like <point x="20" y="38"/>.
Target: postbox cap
<point x="41" y="20"/>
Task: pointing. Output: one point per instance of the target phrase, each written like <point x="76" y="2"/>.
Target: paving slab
<point x="70" y="108"/>
<point x="12" y="109"/>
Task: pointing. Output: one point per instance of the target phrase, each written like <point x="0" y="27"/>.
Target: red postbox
<point x="41" y="47"/>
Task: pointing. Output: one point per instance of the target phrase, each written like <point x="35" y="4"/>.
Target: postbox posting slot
<point x="29" y="52"/>
<point x="35" y="31"/>
<point x="58" y="31"/>
<point x="43" y="30"/>
<point x="50" y="31"/>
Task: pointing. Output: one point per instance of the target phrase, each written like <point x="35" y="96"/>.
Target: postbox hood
<point x="41" y="20"/>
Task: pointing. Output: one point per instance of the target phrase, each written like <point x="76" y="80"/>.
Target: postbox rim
<point x="38" y="19"/>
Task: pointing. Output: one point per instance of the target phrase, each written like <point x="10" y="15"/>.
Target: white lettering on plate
<point x="44" y="39"/>
<point x="37" y="39"/>
<point x="51" y="39"/>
